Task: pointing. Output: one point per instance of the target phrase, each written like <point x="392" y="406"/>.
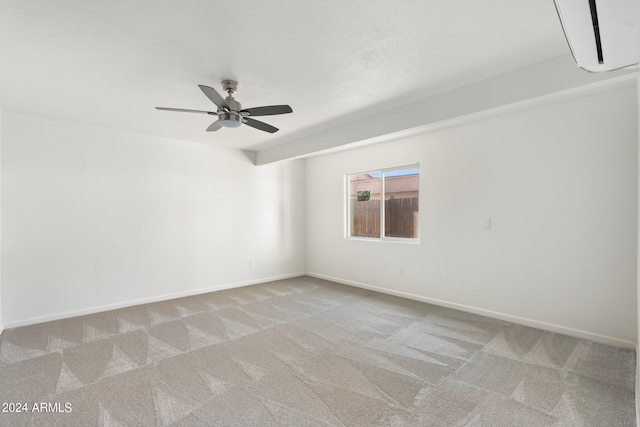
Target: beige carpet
<point x="306" y="352"/>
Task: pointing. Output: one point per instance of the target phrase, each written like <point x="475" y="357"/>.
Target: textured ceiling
<point x="109" y="63"/>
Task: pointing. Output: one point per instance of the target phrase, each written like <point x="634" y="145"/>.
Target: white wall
<point x="560" y="184"/>
<point x="96" y="218"/>
<point x="1" y="321"/>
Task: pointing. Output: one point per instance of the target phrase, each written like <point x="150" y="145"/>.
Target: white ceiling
<point x="109" y="63"/>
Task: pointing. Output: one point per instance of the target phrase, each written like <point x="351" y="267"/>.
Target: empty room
<point x="319" y="213"/>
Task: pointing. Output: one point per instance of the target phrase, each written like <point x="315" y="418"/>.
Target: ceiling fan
<point x="230" y="113"/>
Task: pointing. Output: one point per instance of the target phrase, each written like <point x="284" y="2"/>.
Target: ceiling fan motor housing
<point x="231" y="118"/>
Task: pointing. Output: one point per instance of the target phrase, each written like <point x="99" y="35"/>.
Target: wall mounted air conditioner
<point x="603" y="35"/>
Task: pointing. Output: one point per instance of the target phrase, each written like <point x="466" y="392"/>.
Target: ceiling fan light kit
<point x="230" y="119"/>
<point x="230" y="113"/>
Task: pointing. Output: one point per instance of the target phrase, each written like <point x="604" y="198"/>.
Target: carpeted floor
<point x="307" y="352"/>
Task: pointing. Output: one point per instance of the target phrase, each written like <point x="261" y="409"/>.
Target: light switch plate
<point x="486" y="223"/>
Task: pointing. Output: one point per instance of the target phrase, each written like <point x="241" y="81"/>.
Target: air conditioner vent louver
<point x="596" y="30"/>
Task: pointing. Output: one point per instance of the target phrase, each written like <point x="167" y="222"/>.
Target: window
<point x="383" y="204"/>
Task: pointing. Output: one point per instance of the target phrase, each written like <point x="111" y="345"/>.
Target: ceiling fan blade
<point x="214" y="96"/>
<point x="182" y="110"/>
<point x="271" y="110"/>
<point x="259" y="125"/>
<point x="214" y="126"/>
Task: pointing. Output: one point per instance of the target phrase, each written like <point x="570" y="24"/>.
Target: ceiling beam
<point x="541" y="83"/>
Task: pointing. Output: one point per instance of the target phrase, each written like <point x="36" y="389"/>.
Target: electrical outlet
<point x="250" y="263"/>
<point x="401" y="271"/>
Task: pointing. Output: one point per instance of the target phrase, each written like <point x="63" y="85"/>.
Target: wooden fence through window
<point x="401" y="218"/>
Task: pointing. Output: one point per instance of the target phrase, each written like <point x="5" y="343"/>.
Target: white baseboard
<point x="98" y="309"/>
<point x="604" y="339"/>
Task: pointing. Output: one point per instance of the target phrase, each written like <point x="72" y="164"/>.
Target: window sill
<point x="386" y="240"/>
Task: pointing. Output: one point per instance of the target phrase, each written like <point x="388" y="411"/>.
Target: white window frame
<point x="382" y="238"/>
